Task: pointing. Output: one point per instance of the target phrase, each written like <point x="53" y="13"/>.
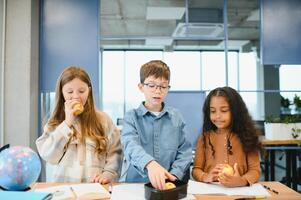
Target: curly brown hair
<point x="241" y="124"/>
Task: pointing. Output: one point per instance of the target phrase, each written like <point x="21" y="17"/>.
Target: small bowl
<point x="179" y="192"/>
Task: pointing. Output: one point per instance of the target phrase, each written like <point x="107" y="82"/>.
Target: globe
<point x="19" y="167"/>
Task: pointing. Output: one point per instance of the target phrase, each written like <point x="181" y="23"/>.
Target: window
<point x="113" y="84"/>
<point x="190" y="71"/>
<point x="184" y="65"/>
<point x="290" y="84"/>
<point x="289" y="79"/>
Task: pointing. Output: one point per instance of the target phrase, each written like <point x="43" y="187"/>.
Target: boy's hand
<point x="233" y="181"/>
<point x="157" y="175"/>
<point x="213" y="174"/>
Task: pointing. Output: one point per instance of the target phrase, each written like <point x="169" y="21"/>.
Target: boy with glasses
<point x="153" y="136"/>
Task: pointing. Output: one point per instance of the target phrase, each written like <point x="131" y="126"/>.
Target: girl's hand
<point x="213" y="174"/>
<point x="157" y="175"/>
<point x="69" y="111"/>
<point x="98" y="178"/>
<point x="232" y="181"/>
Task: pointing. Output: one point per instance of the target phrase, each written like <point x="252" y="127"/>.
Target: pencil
<point x="73" y="193"/>
<point x="270" y="189"/>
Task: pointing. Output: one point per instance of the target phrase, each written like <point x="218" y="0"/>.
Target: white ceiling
<point x="151" y="24"/>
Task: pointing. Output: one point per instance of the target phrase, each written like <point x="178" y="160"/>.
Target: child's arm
<point x="253" y="173"/>
<point x="198" y="172"/>
<point x="157" y="175"/>
<point x="133" y="151"/>
<point x="199" y="160"/>
<point x="51" y="145"/>
<point x="184" y="155"/>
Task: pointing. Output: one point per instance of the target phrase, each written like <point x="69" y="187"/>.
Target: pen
<point x="272" y="190"/>
<point x="110" y="188"/>
<point x="73" y="193"/>
<point x="251" y="198"/>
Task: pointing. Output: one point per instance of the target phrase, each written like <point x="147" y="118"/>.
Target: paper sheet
<point x="62" y="192"/>
<point x="134" y="192"/>
<point x="218" y="189"/>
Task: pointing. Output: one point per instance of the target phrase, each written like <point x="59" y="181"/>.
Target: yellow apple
<point x="79" y="108"/>
<point x="228" y="170"/>
<point x="169" y="185"/>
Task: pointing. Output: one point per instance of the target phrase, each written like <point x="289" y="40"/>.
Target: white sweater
<point x="76" y="162"/>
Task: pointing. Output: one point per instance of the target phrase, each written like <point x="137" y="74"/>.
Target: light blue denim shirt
<point x="147" y="137"/>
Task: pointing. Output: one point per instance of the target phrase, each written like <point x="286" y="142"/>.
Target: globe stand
<point x="26" y="189"/>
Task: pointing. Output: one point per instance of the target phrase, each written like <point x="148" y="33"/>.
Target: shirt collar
<point x="142" y="110"/>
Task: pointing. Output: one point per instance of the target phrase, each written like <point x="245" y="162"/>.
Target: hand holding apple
<point x="233" y="180"/>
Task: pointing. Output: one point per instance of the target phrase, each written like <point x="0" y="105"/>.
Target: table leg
<point x="288" y="167"/>
<point x="272" y="164"/>
<point x="266" y="165"/>
<point x="294" y="170"/>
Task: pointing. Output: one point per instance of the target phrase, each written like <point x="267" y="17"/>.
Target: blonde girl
<point x="83" y="147"/>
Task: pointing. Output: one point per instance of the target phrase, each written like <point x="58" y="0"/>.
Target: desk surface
<point x="284" y="191"/>
<point x="280" y="142"/>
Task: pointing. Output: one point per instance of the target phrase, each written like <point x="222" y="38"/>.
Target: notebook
<point x="81" y="191"/>
<point x="15" y="195"/>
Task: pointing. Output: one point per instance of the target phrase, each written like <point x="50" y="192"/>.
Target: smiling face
<point x="76" y="89"/>
<point x="155" y="91"/>
<point x="220" y="113"/>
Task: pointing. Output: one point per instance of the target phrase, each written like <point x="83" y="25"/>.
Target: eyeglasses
<point x="152" y="87"/>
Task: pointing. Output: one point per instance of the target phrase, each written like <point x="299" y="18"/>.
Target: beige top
<point x="248" y="164"/>
<point x="78" y="162"/>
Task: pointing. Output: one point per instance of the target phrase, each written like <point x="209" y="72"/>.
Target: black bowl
<point x="179" y="192"/>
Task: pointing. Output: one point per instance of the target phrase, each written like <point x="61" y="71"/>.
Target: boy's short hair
<point x="156" y="68"/>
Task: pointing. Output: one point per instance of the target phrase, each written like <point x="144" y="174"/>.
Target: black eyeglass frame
<point x="155" y="86"/>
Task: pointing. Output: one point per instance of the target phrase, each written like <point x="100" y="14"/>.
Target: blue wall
<point x="69" y="36"/>
<point x="281" y="32"/>
<point x="190" y="104"/>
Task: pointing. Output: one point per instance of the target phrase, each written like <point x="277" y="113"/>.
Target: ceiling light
<point x="164" y="13"/>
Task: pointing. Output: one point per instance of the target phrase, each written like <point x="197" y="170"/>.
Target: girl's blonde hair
<point x="90" y="122"/>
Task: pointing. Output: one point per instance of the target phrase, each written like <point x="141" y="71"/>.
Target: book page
<point x="90" y="191"/>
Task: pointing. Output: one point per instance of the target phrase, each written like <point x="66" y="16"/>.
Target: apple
<point x="228" y="170"/>
<point x="169" y="185"/>
<point x="79" y="108"/>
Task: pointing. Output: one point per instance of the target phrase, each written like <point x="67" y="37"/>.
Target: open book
<point x="81" y="191"/>
<point x="218" y="189"/>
